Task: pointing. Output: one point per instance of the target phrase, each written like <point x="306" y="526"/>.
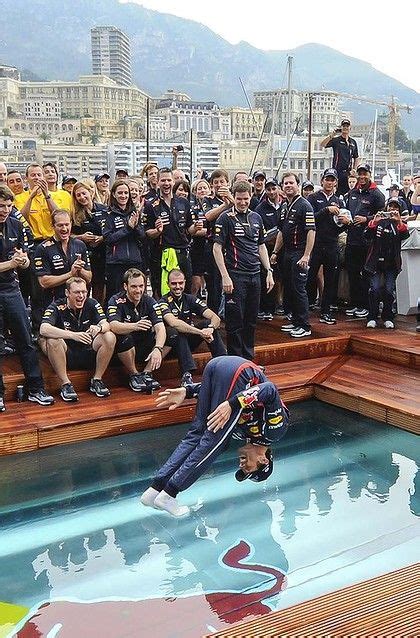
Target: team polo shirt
<point x="39" y="218"/>
<point x="50" y="259"/>
<point x="240" y="234"/>
<point x="185" y="307"/>
<point x="344" y="153"/>
<point x="59" y="314"/>
<point x="270" y="214"/>
<point x="62" y="198"/>
<point x="176" y="220"/>
<point x="12" y="235"/>
<point x="208" y="204"/>
<point x="327" y="230"/>
<point x="296" y="219"/>
<point x="121" y="309"/>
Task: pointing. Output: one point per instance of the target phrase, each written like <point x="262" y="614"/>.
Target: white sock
<point x="168" y="503"/>
<point x="148" y="497"/>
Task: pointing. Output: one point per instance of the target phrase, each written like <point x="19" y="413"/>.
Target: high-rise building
<point x="111" y="54"/>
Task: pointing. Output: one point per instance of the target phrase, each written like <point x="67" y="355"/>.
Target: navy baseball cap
<point x="363" y="167"/>
<point x="330" y="172"/>
<point x="271" y="182"/>
<point x="258" y="174"/>
<point x="259" y="475"/>
<point x="308" y="184"/>
<point x="100" y="176"/>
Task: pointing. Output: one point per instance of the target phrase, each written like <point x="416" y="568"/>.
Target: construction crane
<point x="393" y="114"/>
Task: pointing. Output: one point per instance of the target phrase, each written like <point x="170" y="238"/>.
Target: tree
<point x="93" y="138"/>
<point x="5" y="132"/>
<point x="45" y="136"/>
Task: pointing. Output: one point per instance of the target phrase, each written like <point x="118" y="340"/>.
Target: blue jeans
<point x="382" y="287"/>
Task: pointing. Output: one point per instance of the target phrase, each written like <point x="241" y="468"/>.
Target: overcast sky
<point x="382" y="33"/>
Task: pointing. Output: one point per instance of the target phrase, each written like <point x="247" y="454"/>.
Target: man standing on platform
<point x="345" y="154"/>
<point x="13" y="256"/>
<point x="239" y="250"/>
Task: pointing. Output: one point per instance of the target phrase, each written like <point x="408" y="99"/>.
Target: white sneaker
<point x="350" y="312"/>
<point x="371" y="324"/>
<point x="288" y="327"/>
<point x="389" y="324"/>
<point x="148" y="497"/>
<point x="300" y="332"/>
<point x="168" y="503"/>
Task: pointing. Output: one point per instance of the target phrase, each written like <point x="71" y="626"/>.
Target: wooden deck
<point x="382" y="607"/>
<point x="375" y="373"/>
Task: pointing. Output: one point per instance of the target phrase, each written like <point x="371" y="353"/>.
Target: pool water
<point x="80" y="556"/>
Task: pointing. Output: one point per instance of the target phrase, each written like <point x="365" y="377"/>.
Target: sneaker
<point x="186" y="379"/>
<point x="333" y="308"/>
<point x="389" y="324"/>
<point x="350" y="312"/>
<point x="288" y="327"/>
<point x="279" y="311"/>
<point x="260" y="316"/>
<point x="2" y="406"/>
<point x="137" y="383"/>
<point x="268" y="316"/>
<point x="41" y="397"/>
<point x="361" y="313"/>
<point x="327" y="319"/>
<point x="371" y="324"/>
<point x="68" y="393"/>
<point x="98" y="387"/>
<point x="151" y="382"/>
<point x="297" y="333"/>
<point x="288" y="316"/>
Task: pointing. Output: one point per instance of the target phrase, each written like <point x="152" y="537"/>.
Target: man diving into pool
<point x="235" y="400"/>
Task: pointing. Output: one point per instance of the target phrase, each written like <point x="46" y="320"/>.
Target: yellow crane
<point x="394" y="109"/>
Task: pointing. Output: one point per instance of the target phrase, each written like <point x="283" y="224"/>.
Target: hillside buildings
<point x="111" y="55"/>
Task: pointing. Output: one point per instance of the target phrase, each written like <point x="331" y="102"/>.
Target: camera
<point x="338" y="130"/>
<point x="179" y="147"/>
<point x="385" y="214"/>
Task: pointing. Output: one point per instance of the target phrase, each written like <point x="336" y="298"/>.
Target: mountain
<point x="53" y="41"/>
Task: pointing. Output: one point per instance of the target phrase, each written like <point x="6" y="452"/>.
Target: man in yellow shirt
<point x="37" y="204"/>
<point x="60" y="196"/>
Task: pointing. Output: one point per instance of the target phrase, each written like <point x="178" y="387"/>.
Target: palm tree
<point x="93" y="138"/>
<point x="5" y="132"/>
<point x="45" y="136"/>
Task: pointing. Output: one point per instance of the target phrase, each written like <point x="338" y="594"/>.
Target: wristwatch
<point x="47" y="196"/>
<point x="158" y="348"/>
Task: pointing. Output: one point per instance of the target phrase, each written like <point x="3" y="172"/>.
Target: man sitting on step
<point x="75" y="334"/>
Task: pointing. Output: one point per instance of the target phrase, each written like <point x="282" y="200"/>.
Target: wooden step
<point x="28" y="426"/>
<point x="386" y="392"/>
<point x="392" y="346"/>
<point x="385" y="606"/>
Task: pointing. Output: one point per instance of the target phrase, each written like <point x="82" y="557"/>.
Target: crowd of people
<point x="151" y="264"/>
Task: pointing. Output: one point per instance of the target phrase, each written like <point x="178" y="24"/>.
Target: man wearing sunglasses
<point x="235" y="400"/>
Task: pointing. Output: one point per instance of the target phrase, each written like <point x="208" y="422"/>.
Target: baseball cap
<point x="393" y="187"/>
<point x="259" y="475"/>
<point x="330" y="172"/>
<point x="363" y="167"/>
<point x="121" y="170"/>
<point x="396" y="201"/>
<point x="307" y="184"/>
<point x="271" y="182"/>
<point x="67" y="179"/>
<point x="258" y="174"/>
<point x="345" y="121"/>
<point x="100" y="176"/>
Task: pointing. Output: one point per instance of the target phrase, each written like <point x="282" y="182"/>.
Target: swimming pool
<point x="80" y="556"/>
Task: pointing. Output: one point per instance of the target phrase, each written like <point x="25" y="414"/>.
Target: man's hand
<point x="155" y="358"/>
<point x="227" y="284"/>
<point x="159" y="225"/>
<point x="225" y="194"/>
<point x="93" y="331"/>
<point x="273" y="258"/>
<point x="171" y="398"/>
<point x="377" y="218"/>
<point x="359" y="219"/>
<point x="81" y="337"/>
<point x="36" y="190"/>
<point x="77" y="267"/>
<point x="343" y="218"/>
<point x="334" y="210"/>
<point x="219" y="417"/>
<point x="143" y="324"/>
<point x="269" y="280"/>
<point x="87" y="237"/>
<point x="303" y="262"/>
<point x="207" y="334"/>
<point x="43" y="186"/>
<point x="20" y="259"/>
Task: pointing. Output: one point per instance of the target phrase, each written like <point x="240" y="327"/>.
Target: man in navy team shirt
<point x="239" y="250"/>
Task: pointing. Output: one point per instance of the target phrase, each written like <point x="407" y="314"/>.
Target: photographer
<point x="345" y="154"/>
<point x="383" y="263"/>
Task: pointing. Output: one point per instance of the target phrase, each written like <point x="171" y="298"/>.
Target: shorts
<point x="80" y="357"/>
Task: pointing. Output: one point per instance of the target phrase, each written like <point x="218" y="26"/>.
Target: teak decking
<point x="375" y="373"/>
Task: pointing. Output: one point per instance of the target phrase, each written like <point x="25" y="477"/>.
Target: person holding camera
<point x="345" y="154"/>
<point x="124" y="236"/>
<point x="383" y="263"/>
